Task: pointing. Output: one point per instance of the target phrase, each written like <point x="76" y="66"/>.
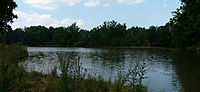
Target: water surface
<point x="167" y="70"/>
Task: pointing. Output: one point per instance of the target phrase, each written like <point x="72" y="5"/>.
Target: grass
<point x="10" y="73"/>
<point x="74" y="78"/>
<point x="12" y="53"/>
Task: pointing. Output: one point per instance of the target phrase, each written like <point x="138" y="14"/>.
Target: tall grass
<point x="74" y="78"/>
<point x="132" y="77"/>
<point x="12" y="53"/>
<point x="10" y="73"/>
<point x="72" y="74"/>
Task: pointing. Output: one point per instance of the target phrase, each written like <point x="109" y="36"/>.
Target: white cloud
<point x="106" y="5"/>
<point x="50" y="4"/>
<point x="34" y="19"/>
<point x="55" y="4"/>
<point x="131" y="1"/>
<point x="80" y="22"/>
<point x="92" y="3"/>
<point x="72" y="2"/>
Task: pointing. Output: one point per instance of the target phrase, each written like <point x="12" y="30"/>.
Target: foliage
<point x="6" y="14"/>
<point x="185" y="24"/>
<point x="133" y="76"/>
<point x="72" y="74"/>
<point x="110" y="33"/>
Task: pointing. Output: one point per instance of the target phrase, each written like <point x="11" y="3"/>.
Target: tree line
<point x="110" y="33"/>
<point x="183" y="30"/>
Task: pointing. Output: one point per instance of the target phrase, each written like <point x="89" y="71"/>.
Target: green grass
<point x="10" y="73"/>
<point x="12" y="53"/>
<point x="14" y="78"/>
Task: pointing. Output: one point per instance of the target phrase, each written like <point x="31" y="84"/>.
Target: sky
<point x="92" y="13"/>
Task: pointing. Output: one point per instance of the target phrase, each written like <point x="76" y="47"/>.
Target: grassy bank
<point x="14" y="78"/>
<point x="12" y="53"/>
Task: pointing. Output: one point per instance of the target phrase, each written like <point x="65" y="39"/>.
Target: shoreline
<point x="18" y="79"/>
<point x="113" y="47"/>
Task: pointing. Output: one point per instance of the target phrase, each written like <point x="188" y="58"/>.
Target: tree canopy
<point x="110" y="33"/>
<point x="186" y="24"/>
<point x="6" y="14"/>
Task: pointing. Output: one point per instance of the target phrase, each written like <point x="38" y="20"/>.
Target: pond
<point x="167" y="70"/>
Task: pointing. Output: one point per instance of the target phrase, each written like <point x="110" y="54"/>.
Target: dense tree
<point x="110" y="33"/>
<point x="185" y="24"/>
<point x="6" y="14"/>
<point x="152" y="35"/>
<point x="163" y="38"/>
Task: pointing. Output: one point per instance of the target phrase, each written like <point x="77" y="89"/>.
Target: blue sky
<point x="91" y="13"/>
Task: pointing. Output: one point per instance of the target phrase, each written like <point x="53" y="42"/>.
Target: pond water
<point x="167" y="70"/>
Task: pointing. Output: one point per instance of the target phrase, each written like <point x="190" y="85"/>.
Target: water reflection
<point x="167" y="70"/>
<point x="187" y="68"/>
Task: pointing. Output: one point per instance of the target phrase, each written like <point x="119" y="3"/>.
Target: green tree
<point x="61" y="36"/>
<point x="152" y="35"/>
<point x="6" y="14"/>
<point x="73" y="34"/>
<point x="186" y="24"/>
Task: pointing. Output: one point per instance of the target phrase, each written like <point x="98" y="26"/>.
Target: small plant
<point x="73" y="78"/>
<point x="133" y="77"/>
<point x="72" y="73"/>
<point x="10" y="76"/>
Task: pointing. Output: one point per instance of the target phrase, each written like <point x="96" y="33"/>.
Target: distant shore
<point x="114" y="47"/>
